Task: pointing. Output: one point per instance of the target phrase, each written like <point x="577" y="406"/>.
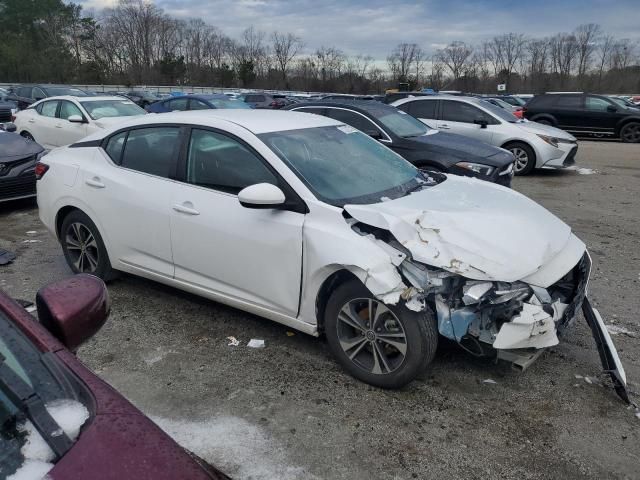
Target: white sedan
<point x="59" y="121"/>
<point x="534" y="145"/>
<point x="313" y="224"/>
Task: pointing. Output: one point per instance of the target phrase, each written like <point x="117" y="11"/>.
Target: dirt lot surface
<point x="288" y="411"/>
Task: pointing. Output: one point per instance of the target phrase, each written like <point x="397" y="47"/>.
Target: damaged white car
<point x="313" y="224"/>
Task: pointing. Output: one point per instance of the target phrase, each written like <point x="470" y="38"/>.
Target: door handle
<point x="186" y="208"/>
<point x="31" y="120"/>
<point x="444" y="126"/>
<point x="94" y="182"/>
<point x="58" y="125"/>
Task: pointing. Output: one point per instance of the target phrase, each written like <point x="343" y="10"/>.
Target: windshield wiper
<point x="27" y="400"/>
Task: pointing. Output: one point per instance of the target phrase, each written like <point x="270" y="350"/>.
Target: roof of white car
<point x="256" y="121"/>
<point x="85" y="99"/>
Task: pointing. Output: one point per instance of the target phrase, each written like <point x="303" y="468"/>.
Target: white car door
<point x="128" y="186"/>
<point x="422" y="109"/>
<point x="42" y="124"/>
<point x="69" y="132"/>
<point x="462" y="118"/>
<point x="253" y="255"/>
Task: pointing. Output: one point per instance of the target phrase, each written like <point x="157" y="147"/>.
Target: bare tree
<point x="285" y="48"/>
<point x="564" y="50"/>
<point x="507" y="50"/>
<point x="330" y="62"/>
<point x="402" y="59"/>
<point x="604" y="55"/>
<point x="586" y="39"/>
<point x="455" y="56"/>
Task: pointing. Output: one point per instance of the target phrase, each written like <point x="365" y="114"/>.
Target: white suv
<point x="534" y="145"/>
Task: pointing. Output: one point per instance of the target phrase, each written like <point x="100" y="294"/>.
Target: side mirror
<point x="482" y="122"/>
<point x="75" y="119"/>
<point x="74" y="309"/>
<point x="375" y="134"/>
<point x="611" y="109"/>
<point x="261" y="195"/>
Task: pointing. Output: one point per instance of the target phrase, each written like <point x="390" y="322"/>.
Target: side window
<point x="178" y="104"/>
<point x="49" y="109"/>
<point x="24" y="92"/>
<point x="195" y="104"/>
<point x="423" y="108"/>
<point x="152" y="150"/>
<point x="67" y="109"/>
<point x="572" y="102"/>
<point x="222" y="163"/>
<point x="115" y="146"/>
<point x="405" y="107"/>
<point x="462" y="112"/>
<point x="38" y="94"/>
<point x="596" y="104"/>
<point x="354" y="119"/>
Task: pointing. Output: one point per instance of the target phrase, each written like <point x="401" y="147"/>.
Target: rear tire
<point x="630" y="133"/>
<point x="525" y="157"/>
<point x="83" y="246"/>
<point x="383" y="345"/>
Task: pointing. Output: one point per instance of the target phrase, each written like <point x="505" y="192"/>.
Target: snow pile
<point x="70" y="416"/>
<point x="238" y="448"/>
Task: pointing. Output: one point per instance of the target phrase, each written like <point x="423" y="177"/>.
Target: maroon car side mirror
<point x="73" y="309"/>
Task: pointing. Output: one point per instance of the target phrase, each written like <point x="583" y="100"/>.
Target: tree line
<point x="137" y="43"/>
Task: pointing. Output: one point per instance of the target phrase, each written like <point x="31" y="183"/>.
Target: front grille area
<point x="578" y="277"/>
<point x="16" y="187"/>
<point x="571" y="158"/>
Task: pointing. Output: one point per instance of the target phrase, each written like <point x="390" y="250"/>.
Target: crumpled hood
<point x="477" y="229"/>
<point x="13" y="146"/>
<point x="535" y="127"/>
<point x="107" y="122"/>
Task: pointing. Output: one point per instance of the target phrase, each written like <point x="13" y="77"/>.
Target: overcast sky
<point x="374" y="27"/>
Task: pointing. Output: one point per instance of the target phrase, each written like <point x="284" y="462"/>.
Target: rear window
<point x="151" y="150"/>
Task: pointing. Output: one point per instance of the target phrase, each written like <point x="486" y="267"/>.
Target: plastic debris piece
<point x="588" y="380"/>
<point x="255" y="343"/>
<point x="32" y="241"/>
<point x="490" y="381"/>
<point x="233" y="341"/>
<point x="578" y="376"/>
<point x="6" y="257"/>
<point x="290" y="334"/>
<point x="32" y="232"/>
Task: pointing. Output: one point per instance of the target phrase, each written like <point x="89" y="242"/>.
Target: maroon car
<point x="56" y="416"/>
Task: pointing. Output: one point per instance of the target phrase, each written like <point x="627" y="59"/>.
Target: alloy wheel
<point x="82" y="248"/>
<point x="371" y="336"/>
<point x="631" y="134"/>
<point x="522" y="159"/>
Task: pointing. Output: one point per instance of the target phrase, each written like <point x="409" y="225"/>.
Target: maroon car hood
<point x="118" y="442"/>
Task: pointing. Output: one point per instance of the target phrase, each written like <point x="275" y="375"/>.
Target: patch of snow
<point x="238" y="448"/>
<point x="583" y="171"/>
<point x="70" y="415"/>
<point x="616" y="329"/>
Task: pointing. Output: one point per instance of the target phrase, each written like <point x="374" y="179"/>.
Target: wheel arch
<point x="544" y="116"/>
<point x="329" y="285"/>
<point x="624" y="122"/>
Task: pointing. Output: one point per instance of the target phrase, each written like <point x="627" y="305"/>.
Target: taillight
<point x="40" y="170"/>
<point x="13" y="118"/>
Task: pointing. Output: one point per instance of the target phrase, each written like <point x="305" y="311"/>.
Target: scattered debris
<point x="31" y="241"/>
<point x="582" y="170"/>
<point x="490" y="381"/>
<point x="578" y="376"/>
<point x="255" y="343"/>
<point x="26" y="304"/>
<point x="290" y="334"/>
<point x="233" y="341"/>
<point x="615" y="330"/>
<point x="6" y="257"/>
<point x="32" y="232"/>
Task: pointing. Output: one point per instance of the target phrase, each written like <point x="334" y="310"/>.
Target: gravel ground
<point x="288" y="411"/>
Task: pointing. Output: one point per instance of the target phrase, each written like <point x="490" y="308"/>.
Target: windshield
<point x="403" y="125"/>
<point x="501" y="113"/>
<point x="75" y="92"/>
<point x="502" y="104"/>
<point x="342" y="165"/>
<point x="22" y="361"/>
<point x="112" y="108"/>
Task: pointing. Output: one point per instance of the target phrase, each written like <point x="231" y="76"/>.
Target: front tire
<point x="383" y="345"/>
<point x="630" y="133"/>
<point x="83" y="246"/>
<point x="525" y="157"/>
